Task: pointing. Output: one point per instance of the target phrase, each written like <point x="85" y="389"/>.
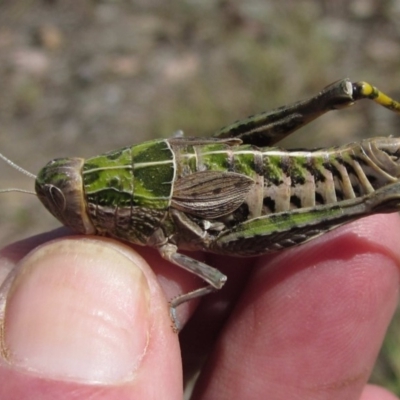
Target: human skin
<point x="86" y="317"/>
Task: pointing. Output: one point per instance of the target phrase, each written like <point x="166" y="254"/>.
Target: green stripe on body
<point x="107" y="178"/>
<point x="153" y="174"/>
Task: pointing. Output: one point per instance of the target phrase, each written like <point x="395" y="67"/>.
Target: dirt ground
<point x="78" y="78"/>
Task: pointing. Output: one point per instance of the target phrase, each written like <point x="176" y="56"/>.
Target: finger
<point x="86" y="318"/>
<point x="373" y="392"/>
<point x="310" y="323"/>
<point x="173" y="280"/>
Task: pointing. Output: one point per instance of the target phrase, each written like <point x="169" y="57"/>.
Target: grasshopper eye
<point x="57" y="197"/>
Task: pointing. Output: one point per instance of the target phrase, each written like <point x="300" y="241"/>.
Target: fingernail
<point x="78" y="310"/>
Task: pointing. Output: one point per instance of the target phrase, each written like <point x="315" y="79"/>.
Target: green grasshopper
<point x="231" y="193"/>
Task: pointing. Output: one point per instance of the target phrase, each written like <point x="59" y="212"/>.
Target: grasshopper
<point x="230" y="193"/>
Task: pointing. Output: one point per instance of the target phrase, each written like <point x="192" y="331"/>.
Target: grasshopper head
<point x="60" y="189"/>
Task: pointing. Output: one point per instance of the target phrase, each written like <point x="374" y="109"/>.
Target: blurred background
<point x="78" y="78"/>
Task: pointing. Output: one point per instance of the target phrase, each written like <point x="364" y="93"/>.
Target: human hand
<point x="86" y="317"/>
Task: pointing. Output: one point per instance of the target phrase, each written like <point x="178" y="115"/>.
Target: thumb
<point x="86" y="316"/>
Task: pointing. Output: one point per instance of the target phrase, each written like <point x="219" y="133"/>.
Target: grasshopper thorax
<point x="59" y="187"/>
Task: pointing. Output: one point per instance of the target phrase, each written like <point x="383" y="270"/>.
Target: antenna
<point x="20" y="169"/>
<point x="17" y="190"/>
<point x="17" y="167"/>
